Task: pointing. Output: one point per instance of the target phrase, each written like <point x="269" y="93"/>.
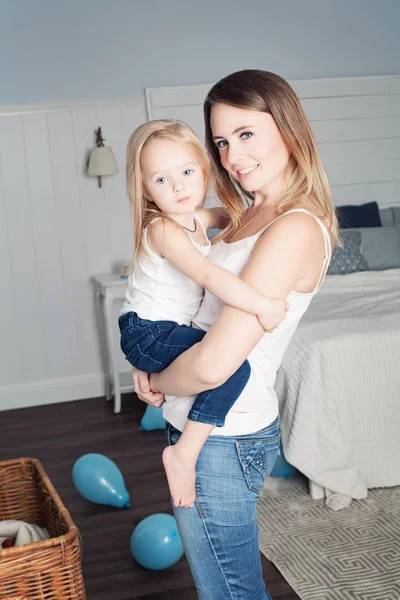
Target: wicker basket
<point x="46" y="570"/>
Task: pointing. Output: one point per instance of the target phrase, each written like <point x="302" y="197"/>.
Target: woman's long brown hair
<point x="304" y="178"/>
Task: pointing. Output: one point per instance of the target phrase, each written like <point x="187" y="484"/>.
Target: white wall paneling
<point x="27" y="339"/>
<point x="57" y="229"/>
<point x="356" y="122"/>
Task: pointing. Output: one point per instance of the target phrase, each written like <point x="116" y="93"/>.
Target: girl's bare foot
<point x="181" y="475"/>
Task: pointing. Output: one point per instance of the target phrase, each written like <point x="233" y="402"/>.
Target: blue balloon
<point x="282" y="468"/>
<point x="155" y="542"/>
<point x="152" y="419"/>
<point x="98" y="479"/>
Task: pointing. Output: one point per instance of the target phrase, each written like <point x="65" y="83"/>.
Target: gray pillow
<point x="390" y="216"/>
<point x="381" y="247"/>
<point x="386" y="215"/>
<point x="348" y="259"/>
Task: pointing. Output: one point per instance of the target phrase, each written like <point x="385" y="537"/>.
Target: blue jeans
<point x="153" y="345"/>
<point x="219" y="533"/>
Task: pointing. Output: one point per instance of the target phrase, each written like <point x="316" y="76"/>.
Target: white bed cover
<point x="339" y="388"/>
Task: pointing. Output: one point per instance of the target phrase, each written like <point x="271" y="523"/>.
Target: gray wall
<point x="55" y="50"/>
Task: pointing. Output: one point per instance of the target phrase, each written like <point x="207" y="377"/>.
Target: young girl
<point x="168" y="172"/>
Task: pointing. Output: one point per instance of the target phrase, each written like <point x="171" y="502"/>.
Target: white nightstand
<point x="110" y="288"/>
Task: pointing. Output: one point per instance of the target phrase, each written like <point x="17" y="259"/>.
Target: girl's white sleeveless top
<point x="158" y="291"/>
<point x="257" y="406"/>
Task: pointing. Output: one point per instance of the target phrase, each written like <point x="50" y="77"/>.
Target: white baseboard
<point x="51" y="391"/>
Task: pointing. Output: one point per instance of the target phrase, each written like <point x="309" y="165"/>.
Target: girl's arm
<point x="214" y="218"/>
<point x="284" y="256"/>
<point x="172" y="243"/>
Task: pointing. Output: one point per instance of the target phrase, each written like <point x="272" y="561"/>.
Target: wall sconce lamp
<point x="101" y="160"/>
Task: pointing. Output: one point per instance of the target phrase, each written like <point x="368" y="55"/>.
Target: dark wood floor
<point x="59" y="434"/>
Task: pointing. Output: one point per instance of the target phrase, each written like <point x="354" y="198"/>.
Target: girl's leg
<point x="180" y="462"/>
<point x="212" y="406"/>
<point x="209" y="409"/>
<point x="152" y="346"/>
<point x="220" y="534"/>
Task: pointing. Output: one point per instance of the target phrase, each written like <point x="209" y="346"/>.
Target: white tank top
<point x="158" y="291"/>
<point x="257" y="406"/>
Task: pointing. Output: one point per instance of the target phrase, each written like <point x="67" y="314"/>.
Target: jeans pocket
<point x="165" y="326"/>
<point x="257" y="458"/>
<point x="132" y="328"/>
<point x="143" y="361"/>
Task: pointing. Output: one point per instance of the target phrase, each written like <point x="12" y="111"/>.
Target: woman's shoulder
<point x="292" y="249"/>
<point x="298" y="234"/>
<point x="299" y="226"/>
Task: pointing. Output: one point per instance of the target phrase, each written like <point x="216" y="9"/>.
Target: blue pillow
<point x="348" y="259"/>
<point x="366" y="215"/>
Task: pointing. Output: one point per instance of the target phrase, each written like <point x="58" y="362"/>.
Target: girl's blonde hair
<point x="144" y="211"/>
<point x="304" y="177"/>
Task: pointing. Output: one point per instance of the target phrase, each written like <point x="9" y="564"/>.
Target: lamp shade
<point x="102" y="162"/>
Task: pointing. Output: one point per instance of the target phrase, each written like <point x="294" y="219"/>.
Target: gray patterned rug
<point x="353" y="554"/>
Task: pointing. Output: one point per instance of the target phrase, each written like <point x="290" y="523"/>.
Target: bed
<point x="339" y="385"/>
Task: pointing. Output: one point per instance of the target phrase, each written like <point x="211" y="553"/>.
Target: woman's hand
<point x="141" y="384"/>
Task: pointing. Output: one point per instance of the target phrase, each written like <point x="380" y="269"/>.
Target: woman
<point x="262" y="145"/>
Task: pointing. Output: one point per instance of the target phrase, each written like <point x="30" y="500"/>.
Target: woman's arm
<point x="285" y="255"/>
<point x="172" y="243"/>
